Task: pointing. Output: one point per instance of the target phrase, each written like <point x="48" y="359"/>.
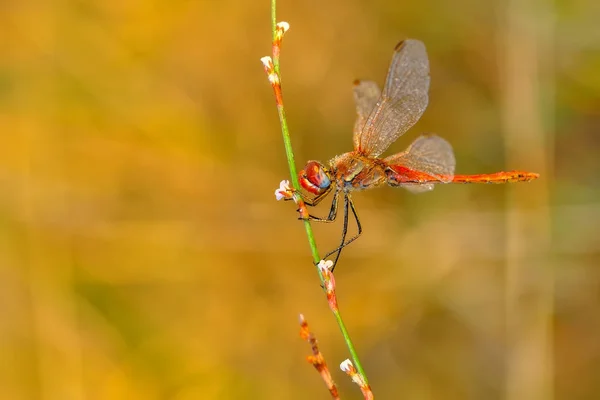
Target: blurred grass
<point x="143" y="255"/>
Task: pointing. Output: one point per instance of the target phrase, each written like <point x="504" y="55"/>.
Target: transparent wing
<point x="429" y="154"/>
<point x="366" y="94"/>
<point x="419" y="188"/>
<point x="402" y="102"/>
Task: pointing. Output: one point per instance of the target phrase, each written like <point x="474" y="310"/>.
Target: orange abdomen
<point x="399" y="174"/>
<point x="497" y="177"/>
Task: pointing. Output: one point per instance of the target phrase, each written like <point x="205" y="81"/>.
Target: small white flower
<point x="284" y="191"/>
<point x="267" y="62"/>
<point x="325" y="265"/>
<point x="279" y="195"/>
<point x="284" y="185"/>
<point x="270" y="70"/>
<point x="346" y="366"/>
<point x="284" y="26"/>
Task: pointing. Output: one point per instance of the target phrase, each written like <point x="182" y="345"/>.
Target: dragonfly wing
<point x="366" y="94"/>
<point x="403" y="101"/>
<point x="419" y="188"/>
<point x="430" y="155"/>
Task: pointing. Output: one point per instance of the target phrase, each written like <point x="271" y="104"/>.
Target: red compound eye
<point x="314" y="177"/>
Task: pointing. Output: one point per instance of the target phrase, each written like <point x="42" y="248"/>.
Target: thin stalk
<point x="276" y="53"/>
<point x="295" y="183"/>
<point x="350" y="345"/>
<point x="287" y="142"/>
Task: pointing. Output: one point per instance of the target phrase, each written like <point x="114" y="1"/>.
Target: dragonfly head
<point x="315" y="178"/>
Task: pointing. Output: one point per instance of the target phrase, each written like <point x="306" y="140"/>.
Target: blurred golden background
<point x="145" y="257"/>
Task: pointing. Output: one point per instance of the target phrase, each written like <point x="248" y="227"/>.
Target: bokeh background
<point x="143" y="255"/>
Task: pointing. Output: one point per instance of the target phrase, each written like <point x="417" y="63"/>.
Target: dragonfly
<point x="382" y="117"/>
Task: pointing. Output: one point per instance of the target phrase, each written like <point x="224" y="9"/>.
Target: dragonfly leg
<point x="332" y="211"/>
<point x="315" y="200"/>
<point x="348" y="203"/>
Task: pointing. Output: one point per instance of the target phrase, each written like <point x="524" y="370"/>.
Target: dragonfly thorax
<point x="353" y="171"/>
<point x="315" y="178"/>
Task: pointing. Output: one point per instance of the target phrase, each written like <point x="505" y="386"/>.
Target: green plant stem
<point x="350" y="345"/>
<point x="295" y="184"/>
<point x="276" y="58"/>
<point x="287" y="142"/>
